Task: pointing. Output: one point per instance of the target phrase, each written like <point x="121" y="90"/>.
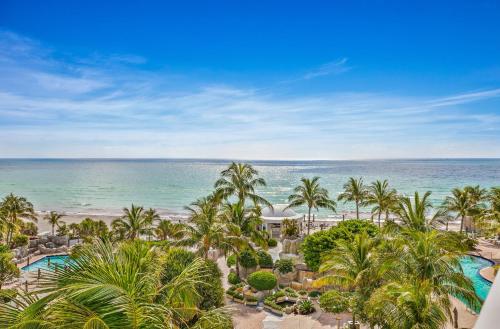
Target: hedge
<point x="247" y="259"/>
<point x="284" y="266"/>
<point x="264" y="259"/>
<point x="262" y="280"/>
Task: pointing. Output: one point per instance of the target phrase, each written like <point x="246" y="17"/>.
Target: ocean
<point x="102" y="186"/>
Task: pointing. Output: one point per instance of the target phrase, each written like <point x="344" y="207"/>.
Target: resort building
<point x="273" y="218"/>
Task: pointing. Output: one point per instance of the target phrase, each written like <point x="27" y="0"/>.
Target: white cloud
<point x="77" y="108"/>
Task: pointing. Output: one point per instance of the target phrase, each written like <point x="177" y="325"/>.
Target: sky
<point x="250" y="79"/>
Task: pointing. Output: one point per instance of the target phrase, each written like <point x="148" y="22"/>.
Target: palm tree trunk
<point x="237" y="266"/>
<point x="379" y="219"/>
<point x="309" y="221"/>
<point x="462" y="224"/>
<point x="53" y="229"/>
<point x="357" y="209"/>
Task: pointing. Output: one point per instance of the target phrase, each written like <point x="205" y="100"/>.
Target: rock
<point x="50" y="245"/>
<point x="307" y="284"/>
<point x="296" y="285"/>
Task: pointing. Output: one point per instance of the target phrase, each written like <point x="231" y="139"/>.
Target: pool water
<point x="43" y="263"/>
<point x="471" y="266"/>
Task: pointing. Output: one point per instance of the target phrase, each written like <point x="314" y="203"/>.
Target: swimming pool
<point x="471" y="266"/>
<point x="43" y="263"/>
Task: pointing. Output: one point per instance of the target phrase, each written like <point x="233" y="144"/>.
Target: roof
<point x="278" y="212"/>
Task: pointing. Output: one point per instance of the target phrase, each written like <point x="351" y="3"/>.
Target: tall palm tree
<point x="114" y="287"/>
<point x="248" y="219"/>
<point x="459" y="203"/>
<point x="241" y="180"/>
<point x="13" y="210"/>
<point x="312" y="195"/>
<point x="206" y="230"/>
<point x="54" y="219"/>
<point x="415" y="215"/>
<point x="354" y="191"/>
<point x="354" y="266"/>
<point x="168" y="230"/>
<point x="382" y="197"/>
<point x="133" y="223"/>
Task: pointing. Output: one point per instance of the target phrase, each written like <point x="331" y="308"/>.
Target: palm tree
<point x="354" y="190"/>
<point x="382" y="197"/>
<point x="54" y="219"/>
<point x="414" y="215"/>
<point x="421" y="279"/>
<point x="458" y="203"/>
<point x="312" y="195"/>
<point x="354" y="266"/>
<point x="152" y="216"/>
<point x="133" y="223"/>
<point x="206" y="230"/>
<point x="13" y="210"/>
<point x="168" y="230"/>
<point x="248" y="219"/>
<point x="114" y="287"/>
<point x="406" y="305"/>
<point x="241" y="180"/>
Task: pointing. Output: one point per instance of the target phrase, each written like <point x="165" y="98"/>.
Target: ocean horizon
<point x="105" y="186"/>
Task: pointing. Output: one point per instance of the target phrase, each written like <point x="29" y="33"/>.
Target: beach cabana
<point x="273" y="217"/>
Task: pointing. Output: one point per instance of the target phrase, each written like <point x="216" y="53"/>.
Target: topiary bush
<point x="210" y="289"/>
<point x="272" y="243"/>
<point x="334" y="301"/>
<point x="317" y="244"/>
<point x="262" y="280"/>
<point x="233" y="278"/>
<point x="314" y="294"/>
<point x="284" y="266"/>
<point x="247" y="259"/>
<point x="264" y="259"/>
<point x="231" y="261"/>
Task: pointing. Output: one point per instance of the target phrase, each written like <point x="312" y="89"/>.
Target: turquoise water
<point x="43" y="263"/>
<point x="471" y="266"/>
<point x="98" y="186"/>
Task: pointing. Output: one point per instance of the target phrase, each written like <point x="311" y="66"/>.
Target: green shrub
<point x="238" y="296"/>
<point x="251" y="299"/>
<point x="231" y="261"/>
<point x="272" y="243"/>
<point x="7" y="295"/>
<point x="319" y="243"/>
<point x="284" y="266"/>
<point x="19" y="240"/>
<point x="247" y="259"/>
<point x="264" y="259"/>
<point x="314" y="294"/>
<point x="290" y="228"/>
<point x="233" y="278"/>
<point x="334" y="301"/>
<point x="4" y="248"/>
<point x="8" y="270"/>
<point x="210" y="289"/>
<point x="302" y="292"/>
<point x="261" y="280"/>
<point x="305" y="306"/>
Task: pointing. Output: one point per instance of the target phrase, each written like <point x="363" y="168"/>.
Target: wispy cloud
<point x="331" y="68"/>
<point x="53" y="105"/>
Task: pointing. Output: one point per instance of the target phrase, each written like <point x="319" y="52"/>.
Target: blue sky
<point x="250" y="80"/>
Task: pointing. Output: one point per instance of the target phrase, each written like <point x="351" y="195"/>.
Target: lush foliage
<point x="14" y="210"/>
<point x="8" y="270"/>
<point x="264" y="259"/>
<point x="305" y="306"/>
<point x="210" y="291"/>
<point x="354" y="191"/>
<point x="247" y="259"/>
<point x="284" y="266"/>
<point x="334" y="301"/>
<point x="136" y="221"/>
<point x="20" y="240"/>
<point x="322" y="242"/>
<point x="233" y="278"/>
<point x="262" y="280"/>
<point x="54" y="219"/>
<point x="290" y="228"/>
<point x="115" y="287"/>
<point x="272" y="243"/>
